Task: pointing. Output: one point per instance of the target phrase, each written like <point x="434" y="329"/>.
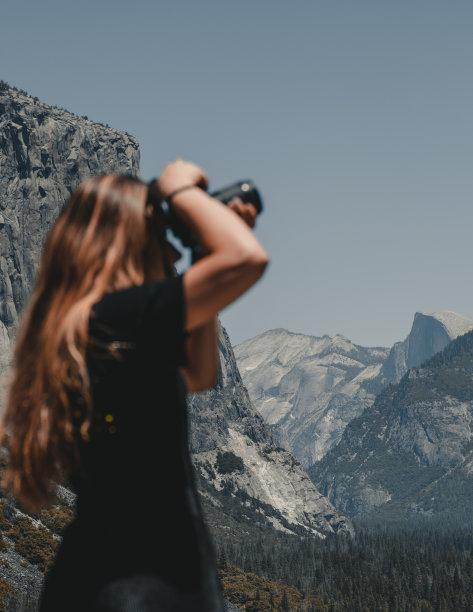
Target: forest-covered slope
<point x="411" y="452"/>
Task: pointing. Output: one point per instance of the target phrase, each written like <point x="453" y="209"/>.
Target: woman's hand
<point x="179" y="174"/>
<point x="244" y="210"/>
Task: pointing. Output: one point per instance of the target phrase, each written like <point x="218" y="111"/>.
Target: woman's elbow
<point x="202" y="383"/>
<point x="256" y="263"/>
<point x="200" y="378"/>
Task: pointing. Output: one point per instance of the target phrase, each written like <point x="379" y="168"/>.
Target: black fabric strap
<point x="170" y="196"/>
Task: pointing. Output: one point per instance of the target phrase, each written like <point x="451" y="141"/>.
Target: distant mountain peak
<point x="307" y="388"/>
<point x="454" y="324"/>
<point x="430" y="333"/>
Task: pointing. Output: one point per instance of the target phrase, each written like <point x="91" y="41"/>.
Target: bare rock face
<point x="430" y="333"/>
<point x="307" y="388"/>
<point x="44" y="154"/>
<point x="233" y="450"/>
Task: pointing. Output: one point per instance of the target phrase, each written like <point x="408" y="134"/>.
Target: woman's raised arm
<point x="233" y="259"/>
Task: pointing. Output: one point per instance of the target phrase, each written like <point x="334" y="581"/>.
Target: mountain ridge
<point x="308" y="388"/>
<point x="284" y="372"/>
<point x="411" y="453"/>
<point x="261" y="471"/>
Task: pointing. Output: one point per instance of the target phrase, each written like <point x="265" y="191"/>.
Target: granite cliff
<point x="307" y="388"/>
<point x="44" y="154"/>
<point x="430" y="333"/>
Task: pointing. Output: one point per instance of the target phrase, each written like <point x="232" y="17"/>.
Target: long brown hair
<point x="97" y="244"/>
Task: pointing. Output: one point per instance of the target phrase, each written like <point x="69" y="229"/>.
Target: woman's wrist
<point x="179" y="176"/>
<point x="168" y="198"/>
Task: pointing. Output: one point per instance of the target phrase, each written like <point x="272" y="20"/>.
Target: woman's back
<point x="138" y="430"/>
<point x="138" y="520"/>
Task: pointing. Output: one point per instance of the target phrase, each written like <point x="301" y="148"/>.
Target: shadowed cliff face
<point x="226" y="406"/>
<point x="44" y="154"/>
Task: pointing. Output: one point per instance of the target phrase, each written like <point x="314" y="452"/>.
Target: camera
<point x="245" y="190"/>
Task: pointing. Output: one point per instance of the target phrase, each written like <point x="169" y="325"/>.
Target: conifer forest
<point x="404" y="569"/>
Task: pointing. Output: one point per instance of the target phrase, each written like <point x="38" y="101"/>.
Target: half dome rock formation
<point x="430" y="333"/>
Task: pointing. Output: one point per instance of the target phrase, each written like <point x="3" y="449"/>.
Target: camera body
<point x="245" y="190"/>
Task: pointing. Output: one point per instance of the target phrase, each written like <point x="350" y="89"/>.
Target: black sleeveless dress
<point x="138" y="542"/>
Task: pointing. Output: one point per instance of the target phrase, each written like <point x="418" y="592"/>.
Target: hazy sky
<point x="355" y="119"/>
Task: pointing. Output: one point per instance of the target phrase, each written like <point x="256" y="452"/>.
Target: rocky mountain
<point x="411" y="452"/>
<point x="430" y="333"/>
<point x="308" y="389"/>
<point x="44" y="154"/>
<point x="235" y="454"/>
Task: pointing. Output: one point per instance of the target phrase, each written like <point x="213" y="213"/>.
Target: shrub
<point x="7" y="592"/>
<point x="3" y="544"/>
<point x="56" y="518"/>
<point x="228" y="462"/>
<point x="5" y="524"/>
<point x="36" y="544"/>
<point x="256" y="594"/>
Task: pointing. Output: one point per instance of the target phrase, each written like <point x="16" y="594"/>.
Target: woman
<point x="106" y="351"/>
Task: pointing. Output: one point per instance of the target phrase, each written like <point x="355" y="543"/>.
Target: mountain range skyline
<point x="309" y="389"/>
<point x="327" y="335"/>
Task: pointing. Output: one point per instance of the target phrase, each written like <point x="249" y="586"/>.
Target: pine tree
<point x="285" y="601"/>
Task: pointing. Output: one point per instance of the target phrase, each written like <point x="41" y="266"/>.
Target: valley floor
<point x="420" y="568"/>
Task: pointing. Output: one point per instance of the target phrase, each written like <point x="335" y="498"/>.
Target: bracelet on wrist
<point x="170" y="196"/>
<point x="152" y="186"/>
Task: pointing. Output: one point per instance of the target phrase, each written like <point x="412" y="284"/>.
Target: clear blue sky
<point x="355" y="118"/>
